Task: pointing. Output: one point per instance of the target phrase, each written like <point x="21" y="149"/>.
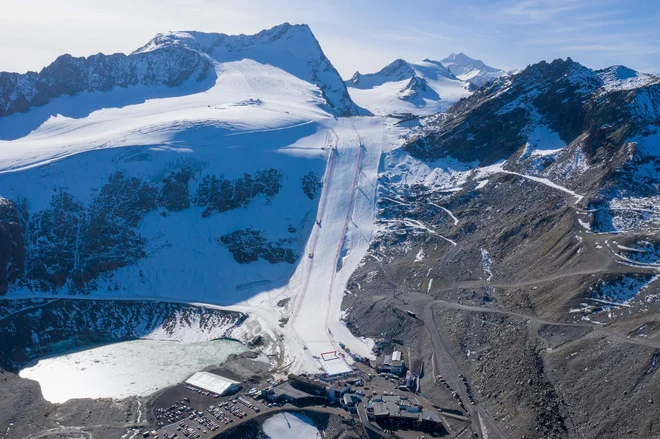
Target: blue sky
<point x="356" y="35"/>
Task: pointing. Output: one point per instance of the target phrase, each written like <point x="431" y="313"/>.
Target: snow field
<point x="384" y="94"/>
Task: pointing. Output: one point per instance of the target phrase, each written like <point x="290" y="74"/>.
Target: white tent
<point x="213" y="383"/>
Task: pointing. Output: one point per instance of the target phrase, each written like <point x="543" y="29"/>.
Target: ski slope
<point x="339" y="240"/>
<point x="252" y="114"/>
<point x="260" y="110"/>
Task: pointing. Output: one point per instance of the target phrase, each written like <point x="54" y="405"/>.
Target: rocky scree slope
<point x="554" y="119"/>
<point x="522" y="228"/>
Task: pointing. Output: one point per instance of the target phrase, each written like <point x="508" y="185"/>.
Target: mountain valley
<point x="500" y="228"/>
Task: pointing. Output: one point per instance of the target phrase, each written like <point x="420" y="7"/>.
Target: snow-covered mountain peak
<point x="470" y="69"/>
<point x="291" y="48"/>
<point x="461" y="59"/>
<point x="209" y="42"/>
<point x="175" y="57"/>
<point x="400" y="70"/>
<point x="397" y="70"/>
<point x="423" y="87"/>
<point x="623" y="78"/>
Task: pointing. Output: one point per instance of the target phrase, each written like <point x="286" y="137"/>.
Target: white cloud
<point x="538" y="11"/>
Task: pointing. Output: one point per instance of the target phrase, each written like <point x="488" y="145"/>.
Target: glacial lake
<point x="124" y="369"/>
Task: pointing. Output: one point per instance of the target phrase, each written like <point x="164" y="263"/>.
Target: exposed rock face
<point x="12" y="249"/>
<point x="250" y="245"/>
<point x="169" y="66"/>
<point x="70" y="244"/>
<point x="414" y="86"/>
<point x="174" y="195"/>
<point x="219" y="194"/>
<point x="311" y="185"/>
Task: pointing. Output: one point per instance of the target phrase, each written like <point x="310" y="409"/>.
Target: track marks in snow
<point x="414" y="224"/>
<point x="449" y="212"/>
<point x="546" y="182"/>
<point x="395" y="201"/>
<point x="139" y="408"/>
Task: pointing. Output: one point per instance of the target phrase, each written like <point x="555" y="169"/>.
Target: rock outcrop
<point x="67" y="76"/>
<point x="70" y="244"/>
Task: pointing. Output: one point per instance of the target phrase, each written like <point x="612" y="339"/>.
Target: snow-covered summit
<point x="623" y="78"/>
<point x="293" y="48"/>
<point x="208" y="42"/>
<point x="471" y="70"/>
<point x="400" y="70"/>
<point x="175" y="57"/>
<point x="405" y="87"/>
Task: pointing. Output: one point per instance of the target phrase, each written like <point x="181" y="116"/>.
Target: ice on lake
<point x="120" y="370"/>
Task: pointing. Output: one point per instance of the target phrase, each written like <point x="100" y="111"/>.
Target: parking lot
<point x="196" y="413"/>
<point x="199" y="423"/>
<point x="186" y="412"/>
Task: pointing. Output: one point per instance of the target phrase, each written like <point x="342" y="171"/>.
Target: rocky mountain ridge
<point x="68" y="76"/>
<point x="521" y="228"/>
<point x="398" y="70"/>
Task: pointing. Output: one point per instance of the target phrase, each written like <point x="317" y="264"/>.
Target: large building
<point x="285" y="392"/>
<point x="300" y="390"/>
<point x="214" y="383"/>
<point x="393" y="363"/>
<point x="397" y="409"/>
<point x="336" y="392"/>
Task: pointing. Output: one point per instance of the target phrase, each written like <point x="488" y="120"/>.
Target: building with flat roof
<point x="336" y="391"/>
<point x="214" y="383"/>
<point x="393" y="363"/>
<point x="308" y="385"/>
<point x="401" y="410"/>
<point x="285" y="392"/>
<point x="301" y="390"/>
